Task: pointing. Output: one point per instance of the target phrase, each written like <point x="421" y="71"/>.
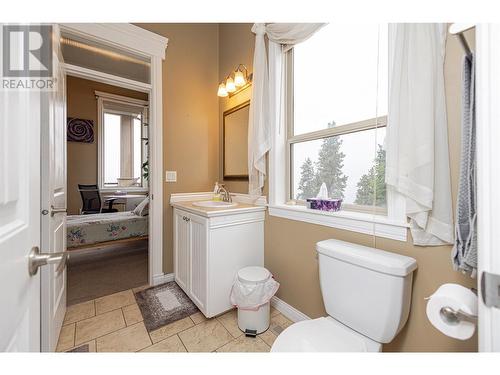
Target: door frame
<point x="134" y="39"/>
<point x="488" y="173"/>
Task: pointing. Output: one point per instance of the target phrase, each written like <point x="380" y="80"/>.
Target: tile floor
<point x="114" y="324"/>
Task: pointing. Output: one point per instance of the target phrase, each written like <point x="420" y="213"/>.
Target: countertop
<point x="218" y="211"/>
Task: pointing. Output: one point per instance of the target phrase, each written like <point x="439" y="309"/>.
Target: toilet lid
<point x="323" y="335"/>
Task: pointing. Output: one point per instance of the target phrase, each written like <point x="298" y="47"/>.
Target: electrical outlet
<point x="171" y="176"/>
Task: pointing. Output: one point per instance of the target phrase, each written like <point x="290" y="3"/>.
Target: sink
<point x="215" y="204"/>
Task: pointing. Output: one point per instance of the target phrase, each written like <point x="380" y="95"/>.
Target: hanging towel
<point x="417" y="165"/>
<point x="464" y="253"/>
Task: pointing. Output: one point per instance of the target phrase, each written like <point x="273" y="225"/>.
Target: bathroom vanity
<point x="211" y="243"/>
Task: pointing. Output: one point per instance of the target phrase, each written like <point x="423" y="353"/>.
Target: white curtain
<point x="417" y="163"/>
<point x="265" y="105"/>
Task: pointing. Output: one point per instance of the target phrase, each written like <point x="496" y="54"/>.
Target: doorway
<point x="84" y="42"/>
<point x="107" y="162"/>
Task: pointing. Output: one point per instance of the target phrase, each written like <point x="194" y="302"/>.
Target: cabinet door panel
<point x="181" y="249"/>
<point x="199" y="261"/>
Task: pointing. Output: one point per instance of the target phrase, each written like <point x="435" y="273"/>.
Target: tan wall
<point x="190" y="116"/>
<point x="82" y="157"/>
<point x="290" y="245"/>
<point x="236" y="45"/>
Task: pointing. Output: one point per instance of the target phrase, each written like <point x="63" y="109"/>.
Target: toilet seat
<point x="323" y="335"/>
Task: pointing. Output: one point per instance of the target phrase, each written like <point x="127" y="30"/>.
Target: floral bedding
<point x="84" y="230"/>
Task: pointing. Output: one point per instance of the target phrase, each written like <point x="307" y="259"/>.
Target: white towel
<point x="417" y="163"/>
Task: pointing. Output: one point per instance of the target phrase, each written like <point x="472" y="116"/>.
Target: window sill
<point x="359" y="222"/>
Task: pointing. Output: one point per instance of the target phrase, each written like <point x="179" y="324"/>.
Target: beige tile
<point x="198" y="318"/>
<point x="205" y="337"/>
<point x="132" y="314"/>
<point x="130" y="339"/>
<point x="279" y="321"/>
<point x="268" y="337"/>
<point x="91" y="345"/>
<point x="274" y="311"/>
<point x="99" y="325"/>
<point x="140" y="288"/>
<point x="170" y="345"/>
<point x="230" y="321"/>
<point x="66" y="338"/>
<point x="79" y="312"/>
<point x="114" y="301"/>
<point x="170" y="329"/>
<point x="245" y="344"/>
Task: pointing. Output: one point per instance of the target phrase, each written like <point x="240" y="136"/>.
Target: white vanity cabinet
<point x="209" y="249"/>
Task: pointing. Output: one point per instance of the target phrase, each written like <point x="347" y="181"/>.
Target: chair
<point x="91" y="200"/>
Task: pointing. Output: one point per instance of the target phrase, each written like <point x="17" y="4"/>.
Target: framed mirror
<point x="235" y="142"/>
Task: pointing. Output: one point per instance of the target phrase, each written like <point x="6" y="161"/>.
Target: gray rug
<point x="80" y="349"/>
<point x="164" y="304"/>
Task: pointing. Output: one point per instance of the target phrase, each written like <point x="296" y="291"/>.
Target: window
<point x="123" y="143"/>
<point x="336" y="129"/>
<point x="336" y="101"/>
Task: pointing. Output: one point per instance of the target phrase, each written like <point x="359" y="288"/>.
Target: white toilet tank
<point x="366" y="289"/>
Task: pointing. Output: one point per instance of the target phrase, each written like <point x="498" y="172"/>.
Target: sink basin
<point x="215" y="204"/>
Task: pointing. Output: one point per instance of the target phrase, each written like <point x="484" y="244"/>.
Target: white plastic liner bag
<point x="251" y="296"/>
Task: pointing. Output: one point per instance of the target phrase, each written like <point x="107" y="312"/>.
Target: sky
<point x="328" y="86"/>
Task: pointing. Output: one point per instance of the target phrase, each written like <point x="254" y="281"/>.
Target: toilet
<point x="367" y="294"/>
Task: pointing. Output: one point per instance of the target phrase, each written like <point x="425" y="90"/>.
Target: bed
<point x="88" y="230"/>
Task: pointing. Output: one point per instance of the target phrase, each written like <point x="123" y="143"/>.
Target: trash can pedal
<point x="250" y="332"/>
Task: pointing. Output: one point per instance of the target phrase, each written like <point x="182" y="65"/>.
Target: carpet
<point x="164" y="304"/>
<point x="100" y="272"/>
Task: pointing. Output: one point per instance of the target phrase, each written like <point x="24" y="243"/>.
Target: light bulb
<point x="230" y="87"/>
<point x="239" y="78"/>
<point x="222" y="92"/>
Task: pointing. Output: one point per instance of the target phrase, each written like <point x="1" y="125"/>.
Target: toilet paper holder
<point x="452" y="316"/>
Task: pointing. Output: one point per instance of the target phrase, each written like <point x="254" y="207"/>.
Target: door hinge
<point x="490" y="289"/>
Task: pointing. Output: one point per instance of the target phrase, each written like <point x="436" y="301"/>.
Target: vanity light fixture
<point x="222" y="92"/>
<point x="235" y="82"/>
<point x="230" y="86"/>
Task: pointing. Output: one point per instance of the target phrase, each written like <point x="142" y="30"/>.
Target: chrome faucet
<point x="224" y="193"/>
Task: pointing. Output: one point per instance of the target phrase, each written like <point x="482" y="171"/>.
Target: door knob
<point x="55" y="210"/>
<point x="37" y="259"/>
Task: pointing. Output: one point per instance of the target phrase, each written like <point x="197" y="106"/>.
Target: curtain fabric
<point x="417" y="163"/>
<point x="265" y="105"/>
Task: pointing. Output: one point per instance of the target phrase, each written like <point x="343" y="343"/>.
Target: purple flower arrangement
<point x="324" y="204"/>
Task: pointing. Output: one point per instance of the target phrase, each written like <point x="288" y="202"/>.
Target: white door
<point x="488" y="181"/>
<point x="181" y="249"/>
<point x="53" y="196"/>
<point x="19" y="218"/>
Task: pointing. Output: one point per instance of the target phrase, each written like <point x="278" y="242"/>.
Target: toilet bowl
<point x="367" y="295"/>
<point x="323" y="335"/>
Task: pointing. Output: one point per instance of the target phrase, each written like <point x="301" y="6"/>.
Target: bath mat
<point x="80" y="349"/>
<point x="164" y="304"/>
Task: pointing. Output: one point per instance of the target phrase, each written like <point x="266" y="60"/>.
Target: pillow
<point x="142" y="208"/>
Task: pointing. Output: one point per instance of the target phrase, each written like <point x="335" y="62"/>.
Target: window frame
<point x="389" y="223"/>
<point x="102" y="98"/>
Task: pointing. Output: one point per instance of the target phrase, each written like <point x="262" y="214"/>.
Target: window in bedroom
<point x="123" y="143"/>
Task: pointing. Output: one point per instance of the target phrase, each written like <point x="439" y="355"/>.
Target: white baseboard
<point x="289" y="311"/>
<point x="163" y="278"/>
